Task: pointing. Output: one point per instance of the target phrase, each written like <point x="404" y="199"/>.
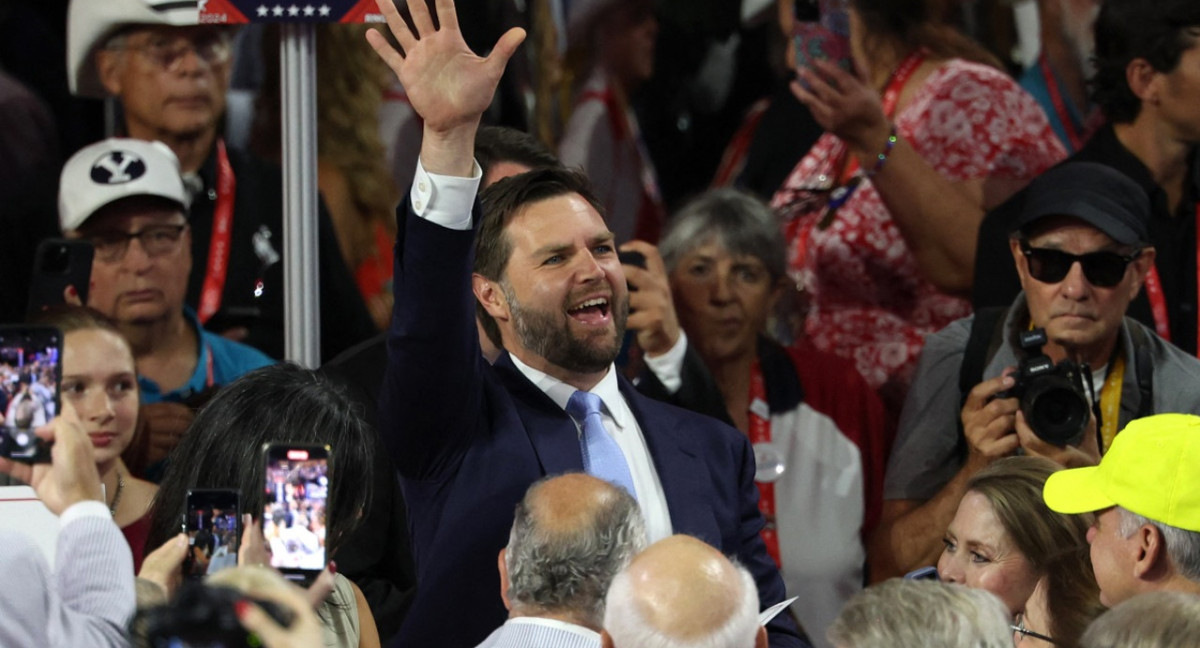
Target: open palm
<point x="448" y="85"/>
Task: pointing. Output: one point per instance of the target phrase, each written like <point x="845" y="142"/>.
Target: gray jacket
<point x="925" y="455"/>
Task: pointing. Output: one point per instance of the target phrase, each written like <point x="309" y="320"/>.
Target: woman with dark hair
<point x="223" y="449"/>
<point x="882" y="214"/>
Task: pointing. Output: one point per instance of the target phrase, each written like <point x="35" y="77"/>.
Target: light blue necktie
<point x="602" y="457"/>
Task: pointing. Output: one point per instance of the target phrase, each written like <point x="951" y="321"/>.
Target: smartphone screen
<point x="59" y="263"/>
<point x="294" y="510"/>
<point x="30" y="373"/>
<point x="212" y="522"/>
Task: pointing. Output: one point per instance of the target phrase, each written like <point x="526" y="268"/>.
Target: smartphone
<point x="30" y="374"/>
<point x="59" y="263"/>
<point x="212" y="522"/>
<point x="633" y="258"/>
<point x="295" y="508"/>
<point x="821" y="32"/>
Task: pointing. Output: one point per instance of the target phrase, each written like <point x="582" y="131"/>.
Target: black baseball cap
<point x="1094" y="193"/>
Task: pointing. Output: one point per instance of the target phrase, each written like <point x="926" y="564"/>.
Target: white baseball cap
<point x="116" y="168"/>
<point x="92" y="22"/>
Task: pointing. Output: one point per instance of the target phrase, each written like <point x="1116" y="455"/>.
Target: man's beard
<point x="540" y="333"/>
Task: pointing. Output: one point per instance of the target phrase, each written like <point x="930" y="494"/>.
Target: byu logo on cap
<point x="118" y="167"/>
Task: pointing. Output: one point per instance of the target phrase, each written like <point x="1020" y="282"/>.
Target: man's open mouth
<point x="592" y="311"/>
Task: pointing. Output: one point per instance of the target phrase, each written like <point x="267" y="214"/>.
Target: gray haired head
<point x="737" y="221"/>
<point x="571" y="534"/>
<point x="923" y="613"/>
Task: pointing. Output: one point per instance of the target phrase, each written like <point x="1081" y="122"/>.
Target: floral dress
<point x="867" y="299"/>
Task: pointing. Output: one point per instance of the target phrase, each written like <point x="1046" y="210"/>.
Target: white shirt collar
<point x="608" y="389"/>
<point x="555" y="623"/>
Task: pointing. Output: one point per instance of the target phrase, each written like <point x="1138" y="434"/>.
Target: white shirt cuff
<point x="445" y="200"/>
<point x="668" y="367"/>
<point x="86" y="508"/>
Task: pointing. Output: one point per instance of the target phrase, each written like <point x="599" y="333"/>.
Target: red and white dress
<point x="868" y="300"/>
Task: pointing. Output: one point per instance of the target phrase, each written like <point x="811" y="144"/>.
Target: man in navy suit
<point x="469" y="438"/>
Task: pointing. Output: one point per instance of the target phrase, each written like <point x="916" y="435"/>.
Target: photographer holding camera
<point x="1056" y="374"/>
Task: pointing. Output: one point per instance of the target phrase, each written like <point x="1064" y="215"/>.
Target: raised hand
<point x="71" y="476"/>
<point x="651" y="310"/>
<point x="843" y="105"/>
<point x="448" y="85"/>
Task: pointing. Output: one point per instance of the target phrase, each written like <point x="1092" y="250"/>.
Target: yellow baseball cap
<point x="1152" y="469"/>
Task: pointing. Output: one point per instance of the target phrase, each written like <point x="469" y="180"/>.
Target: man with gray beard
<point x="468" y="438"/>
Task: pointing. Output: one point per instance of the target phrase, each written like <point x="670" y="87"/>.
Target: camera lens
<point x="1056" y="411"/>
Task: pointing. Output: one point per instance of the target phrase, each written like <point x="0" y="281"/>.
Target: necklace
<point x="117" y="495"/>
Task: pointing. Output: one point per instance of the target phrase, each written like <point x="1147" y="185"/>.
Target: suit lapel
<point x="680" y="470"/>
<point x="552" y="433"/>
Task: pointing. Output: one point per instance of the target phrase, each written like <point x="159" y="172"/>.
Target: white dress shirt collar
<point x="608" y="389"/>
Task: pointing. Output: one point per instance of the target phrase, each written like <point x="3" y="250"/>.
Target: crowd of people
<point x="915" y="363"/>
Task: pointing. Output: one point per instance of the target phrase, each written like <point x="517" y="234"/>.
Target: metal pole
<point x="301" y="302"/>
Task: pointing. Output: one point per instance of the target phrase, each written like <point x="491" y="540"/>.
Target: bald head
<point x="571" y="534"/>
<point x="682" y="592"/>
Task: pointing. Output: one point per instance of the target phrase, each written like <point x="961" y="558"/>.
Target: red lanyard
<point x="218" y="248"/>
<point x="1158" y="301"/>
<point x="760" y="432"/>
<point x="1074" y="137"/>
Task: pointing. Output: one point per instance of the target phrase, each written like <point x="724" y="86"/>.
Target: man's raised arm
<point x="432" y="392"/>
<point x="446" y="83"/>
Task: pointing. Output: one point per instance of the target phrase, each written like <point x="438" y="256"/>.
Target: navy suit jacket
<point x="468" y="439"/>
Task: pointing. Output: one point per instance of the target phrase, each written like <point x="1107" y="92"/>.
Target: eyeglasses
<point x="155" y="240"/>
<point x="1020" y="629"/>
<point x="1102" y="269"/>
<point x="167" y="52"/>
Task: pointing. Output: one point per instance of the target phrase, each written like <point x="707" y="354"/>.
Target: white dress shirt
<point x="536" y="632"/>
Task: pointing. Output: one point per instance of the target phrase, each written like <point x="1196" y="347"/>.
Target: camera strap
<point x="1110" y="401"/>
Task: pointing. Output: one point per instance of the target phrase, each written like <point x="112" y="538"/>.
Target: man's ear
<point x="109" y="65"/>
<point x="1151" y="562"/>
<point x="1143" y="80"/>
<point x="489" y="294"/>
<point x="605" y="640"/>
<point x="502" y="565"/>
<point x="1019" y="260"/>
<point x="1141" y="268"/>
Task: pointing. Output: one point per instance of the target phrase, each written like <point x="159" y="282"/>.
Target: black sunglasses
<point x="1102" y="269"/>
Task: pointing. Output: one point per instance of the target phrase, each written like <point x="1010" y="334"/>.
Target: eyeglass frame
<point x="122" y="240"/>
<point x="1019" y="627"/>
<point x="170" y="60"/>
<point x="1082" y="259"/>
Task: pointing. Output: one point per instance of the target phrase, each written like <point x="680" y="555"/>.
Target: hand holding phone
<point x="30" y="373"/>
<point x="212" y="522"/>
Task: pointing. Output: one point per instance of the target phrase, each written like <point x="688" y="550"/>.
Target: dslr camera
<point x="1052" y="396"/>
